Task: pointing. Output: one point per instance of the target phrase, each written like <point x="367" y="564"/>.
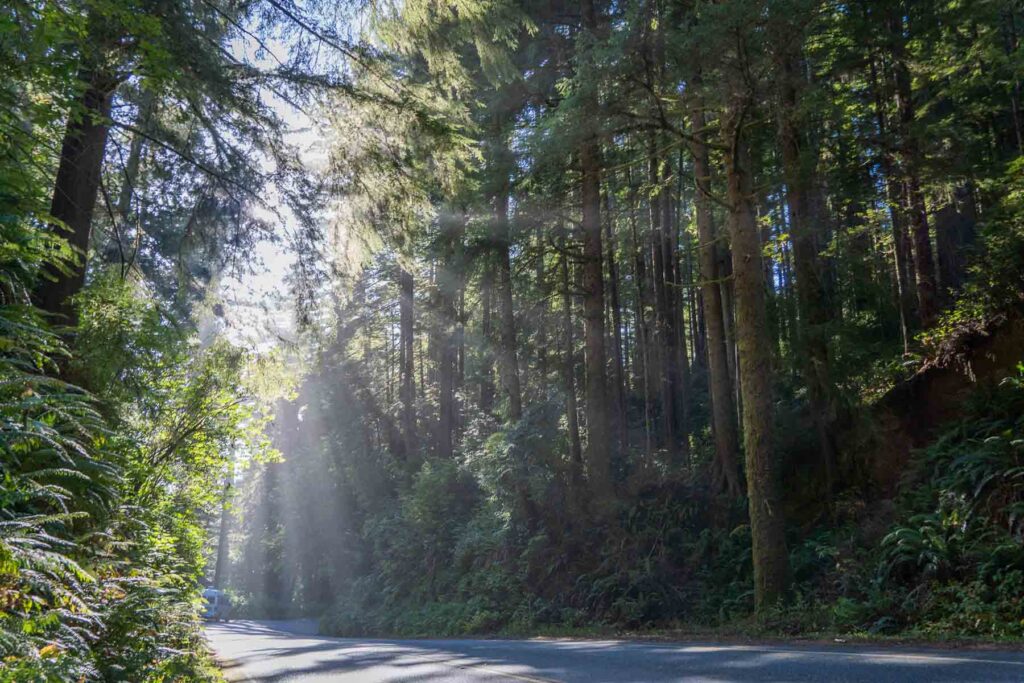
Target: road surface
<point x="273" y="652"/>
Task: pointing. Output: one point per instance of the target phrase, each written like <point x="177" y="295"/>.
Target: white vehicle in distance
<point x="217" y="605"/>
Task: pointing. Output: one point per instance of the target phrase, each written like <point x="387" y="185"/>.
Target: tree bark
<point x="121" y="215"/>
<point x="508" y="358"/>
<point x="643" y="331"/>
<point x="800" y="169"/>
<point x="598" y="417"/>
<point x="220" y="569"/>
<point x="486" y="333"/>
<point x="679" y="367"/>
<point x="568" y="372"/>
<point x="902" y="250"/>
<point x="924" y="263"/>
<point x="407" y="368"/>
<point x="770" y="558"/>
<point x="75" y="190"/>
<point x="618" y="370"/>
<point x="448" y="288"/>
<point x="723" y="411"/>
<point x="664" y="348"/>
<point x="541" y="307"/>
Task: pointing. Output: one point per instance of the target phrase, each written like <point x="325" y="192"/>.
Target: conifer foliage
<point x="610" y="353"/>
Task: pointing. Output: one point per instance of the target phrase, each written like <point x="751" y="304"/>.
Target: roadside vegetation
<point x="104" y="492"/>
<point x="118" y="421"/>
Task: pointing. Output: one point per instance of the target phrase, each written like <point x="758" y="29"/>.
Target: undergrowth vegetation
<point x="944" y="559"/>
<point x="953" y="561"/>
<point x="104" y="494"/>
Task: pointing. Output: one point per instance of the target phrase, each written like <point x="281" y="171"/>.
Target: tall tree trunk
<point x="407" y="368"/>
<point x="508" y="358"/>
<point x="663" y="348"/>
<point x="76" y="188"/>
<point x="800" y="171"/>
<point x="147" y="110"/>
<point x="767" y="528"/>
<point x="390" y="346"/>
<point x="679" y="368"/>
<point x="220" y="569"/>
<point x="902" y="250"/>
<point x="598" y="417"/>
<point x="541" y="308"/>
<point x="122" y="216"/>
<point x="924" y="263"/>
<point x="568" y="375"/>
<point x="448" y="288"/>
<point x="486" y="333"/>
<point x="728" y="292"/>
<point x="723" y="411"/>
<point x="693" y="309"/>
<point x="460" y="362"/>
<point x="643" y="332"/>
<point x="618" y="371"/>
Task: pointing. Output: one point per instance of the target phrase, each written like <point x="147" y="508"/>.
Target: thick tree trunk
<point x="954" y="234"/>
<point x="947" y="251"/>
<point x="729" y="321"/>
<point x="670" y="347"/>
<point x="122" y="216"/>
<point x="598" y="416"/>
<point x="460" y="362"/>
<point x="767" y="528"/>
<point x="147" y="110"/>
<point x="723" y="411"/>
<point x="76" y="188"/>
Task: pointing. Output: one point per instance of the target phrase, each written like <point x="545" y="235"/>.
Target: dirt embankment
<point x="913" y="412"/>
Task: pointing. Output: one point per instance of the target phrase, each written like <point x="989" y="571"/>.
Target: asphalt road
<point x="271" y="652"/>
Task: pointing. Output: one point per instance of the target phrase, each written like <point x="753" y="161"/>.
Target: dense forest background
<point x="660" y="314"/>
<point x="709" y="309"/>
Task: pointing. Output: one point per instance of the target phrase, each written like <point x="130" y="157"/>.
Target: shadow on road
<point x="267" y="654"/>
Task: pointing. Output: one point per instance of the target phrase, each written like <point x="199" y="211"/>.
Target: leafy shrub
<point x="89" y="589"/>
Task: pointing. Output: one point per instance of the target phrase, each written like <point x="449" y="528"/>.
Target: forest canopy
<point x="647" y="315"/>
